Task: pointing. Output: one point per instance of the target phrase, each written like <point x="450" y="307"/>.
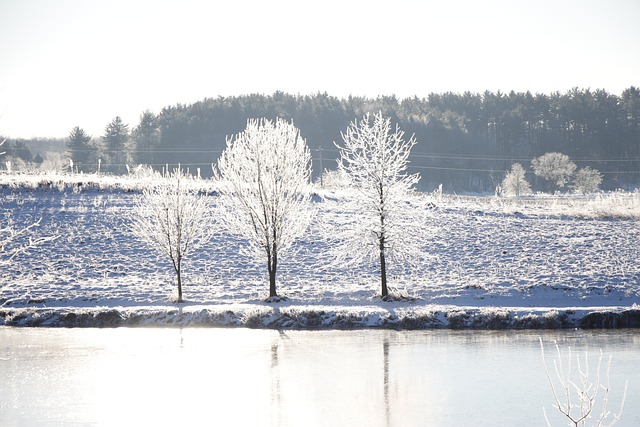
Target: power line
<point x="410" y="167"/>
<point x="508" y="158"/>
<point x="478" y="157"/>
<point x="627" y="172"/>
<point x="456" y="169"/>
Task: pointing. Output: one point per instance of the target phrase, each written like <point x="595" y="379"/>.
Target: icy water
<point x="245" y="377"/>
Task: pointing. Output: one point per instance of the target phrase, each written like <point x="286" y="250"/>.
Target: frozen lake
<point x="199" y="376"/>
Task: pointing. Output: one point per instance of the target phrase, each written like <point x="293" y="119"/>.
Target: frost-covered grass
<point x="138" y="179"/>
<point x="537" y="261"/>
<point x="616" y="204"/>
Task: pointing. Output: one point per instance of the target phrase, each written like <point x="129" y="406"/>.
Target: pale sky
<point x="66" y="63"/>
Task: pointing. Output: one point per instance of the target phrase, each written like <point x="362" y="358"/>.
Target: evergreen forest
<point x="466" y="141"/>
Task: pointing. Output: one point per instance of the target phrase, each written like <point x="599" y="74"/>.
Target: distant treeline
<point x="465" y="141"/>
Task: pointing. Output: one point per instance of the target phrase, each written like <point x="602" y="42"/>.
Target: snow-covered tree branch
<point x="385" y="218"/>
<point x="16" y="240"/>
<point x="590" y="393"/>
<point x="172" y="217"/>
<point x="264" y="177"/>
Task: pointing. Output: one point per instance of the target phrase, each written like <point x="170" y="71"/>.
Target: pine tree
<point x="78" y="148"/>
<point x="115" y="138"/>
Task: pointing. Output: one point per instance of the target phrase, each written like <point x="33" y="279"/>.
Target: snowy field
<point x="490" y="263"/>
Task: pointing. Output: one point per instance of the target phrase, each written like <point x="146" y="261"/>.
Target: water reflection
<point x="261" y="378"/>
<point x="275" y="385"/>
<point x="385" y="370"/>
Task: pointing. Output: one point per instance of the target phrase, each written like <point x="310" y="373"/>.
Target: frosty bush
<point x="173" y="218"/>
<point x="333" y="180"/>
<point x="590" y="393"/>
<point x="587" y="181"/>
<point x="264" y="180"/>
<point x="556" y="168"/>
<point x="386" y="216"/>
<point x="143" y="172"/>
<point x="515" y="183"/>
<point x="54" y="162"/>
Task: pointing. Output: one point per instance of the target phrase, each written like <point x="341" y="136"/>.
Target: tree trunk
<point x="381" y="241"/>
<point x="180" y="300"/>
<point x="272" y="283"/>
<point x="273" y="265"/>
<point x="383" y="270"/>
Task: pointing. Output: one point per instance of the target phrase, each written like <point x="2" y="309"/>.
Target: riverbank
<point x="290" y="316"/>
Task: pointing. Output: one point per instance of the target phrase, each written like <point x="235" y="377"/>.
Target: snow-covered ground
<point x="489" y="263"/>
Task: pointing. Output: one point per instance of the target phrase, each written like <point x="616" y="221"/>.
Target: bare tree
<point x="264" y="178"/>
<point x="387" y="216"/>
<point x="173" y="217"/>
<point x="554" y="167"/>
<point x="515" y="183"/>
<point x="587" y="391"/>
<point x="587" y="180"/>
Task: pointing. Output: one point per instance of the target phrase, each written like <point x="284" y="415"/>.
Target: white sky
<point x="66" y="63"/>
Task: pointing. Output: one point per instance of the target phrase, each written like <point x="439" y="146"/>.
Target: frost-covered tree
<point x="264" y="177"/>
<point x="515" y="183"/>
<point x="587" y="180"/>
<point x="387" y="218"/>
<point x="173" y="218"/>
<point x="554" y="167"/>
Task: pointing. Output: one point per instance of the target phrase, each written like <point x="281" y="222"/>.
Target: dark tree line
<point x="467" y="141"/>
